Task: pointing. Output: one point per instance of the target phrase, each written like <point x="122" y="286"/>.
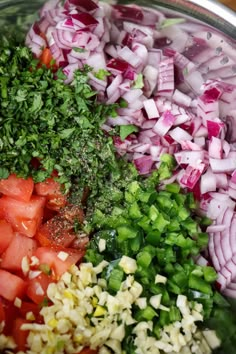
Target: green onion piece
<point x="45" y="268"/>
<point x="93" y="256"/>
<point x="164" y="318"/>
<point x="146" y="314"/>
<point x="191" y="203"/>
<point x="134" y="211"/>
<point x="220" y="300"/>
<point x="157" y="330"/>
<point x="136" y="242"/>
<point x="180" y="199"/>
<point x="144" y="259"/>
<point x="165" y="300"/>
<point x="126" y="232"/>
<point x="144" y="223"/>
<point x="115" y="279"/>
<point x="190" y="225"/>
<point x="160" y="223"/>
<point x="180" y="279"/>
<point x="144" y="196"/>
<point x="205" y="221"/>
<point x="153" y="212"/>
<point x="172" y="287"/>
<point x="183" y="213"/>
<point x="168" y="159"/>
<point x="153" y="237"/>
<point x="164" y="172"/>
<point x="174" y="225"/>
<point x="173" y="188"/>
<point x="210" y="274"/>
<point x="202" y="239"/>
<point x="174" y="314"/>
<point x="164" y="201"/>
<point x="199" y="284"/>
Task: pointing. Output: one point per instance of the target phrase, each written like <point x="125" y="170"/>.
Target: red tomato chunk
<point x="6" y="235"/>
<point x="17" y="188"/>
<point x="19" y="335"/>
<point x="51" y="257"/>
<point x="52" y="190"/>
<point x="37" y="288"/>
<point x="21" y="246"/>
<point x="25" y="217"/>
<point x="11" y="286"/>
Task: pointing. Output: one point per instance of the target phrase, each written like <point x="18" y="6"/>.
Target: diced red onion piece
<point x="151" y="108"/>
<point x="129" y="56"/>
<point x="181" y="98"/>
<point x="190" y="157"/>
<point x="215" y="128"/>
<point x="144" y="164"/>
<point x="216" y="228"/>
<point x="223" y="165"/>
<point x="132" y="95"/>
<point x="192" y="175"/>
<point x="208" y="182"/>
<point x="215" y="148"/>
<point x="164" y="123"/>
<point x="166" y="77"/>
<point x="97" y="61"/>
<point x="179" y="135"/>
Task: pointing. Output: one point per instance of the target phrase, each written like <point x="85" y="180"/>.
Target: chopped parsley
<point x="57" y="124"/>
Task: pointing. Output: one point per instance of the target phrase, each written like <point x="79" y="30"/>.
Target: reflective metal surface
<point x="209" y="11"/>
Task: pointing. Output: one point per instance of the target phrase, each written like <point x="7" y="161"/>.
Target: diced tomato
<point x="11" y="286"/>
<point x="17" y="188"/>
<point x="25" y="217"/>
<point x="37" y="288"/>
<point x="27" y="307"/>
<point x="6" y="235"/>
<point x="48" y="214"/>
<point x="19" y="335"/>
<point x="46" y="58"/>
<point x="55" y="231"/>
<point x="59" y="230"/>
<point x="88" y="351"/>
<point x="11" y="312"/>
<point x="2" y="313"/>
<point x="50" y="256"/>
<point x="19" y="247"/>
<point x="52" y="190"/>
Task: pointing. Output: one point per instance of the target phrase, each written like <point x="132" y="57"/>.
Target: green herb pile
<point x="58" y="124"/>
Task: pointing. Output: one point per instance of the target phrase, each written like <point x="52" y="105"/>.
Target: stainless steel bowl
<point x="21" y="12"/>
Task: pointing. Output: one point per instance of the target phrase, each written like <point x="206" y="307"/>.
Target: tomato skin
<point x="25" y="217"/>
<point x="19" y="247"/>
<point x="15" y="285"/>
<point x="11" y="312"/>
<point x="51" y="189"/>
<point x="46" y="58"/>
<point x="17" y="188"/>
<point x="2" y="313"/>
<point x="33" y="285"/>
<point x="88" y="350"/>
<point x="49" y="256"/>
<point x="19" y="335"/>
<point x="31" y="307"/>
<point x="59" y="230"/>
<point x="55" y="231"/>
<point x="6" y="235"/>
